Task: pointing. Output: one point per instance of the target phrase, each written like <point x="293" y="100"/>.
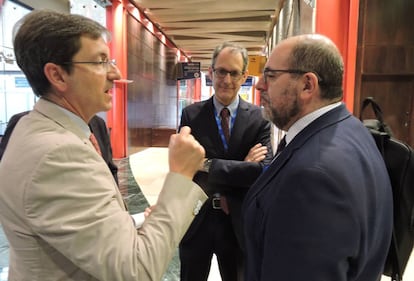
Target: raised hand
<point x="185" y="154"/>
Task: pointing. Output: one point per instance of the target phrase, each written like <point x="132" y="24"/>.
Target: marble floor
<point x="149" y="168"/>
<point x="140" y="180"/>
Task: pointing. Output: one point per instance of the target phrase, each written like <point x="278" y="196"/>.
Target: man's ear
<point x="56" y="75"/>
<point x="310" y="82"/>
<point x="245" y="75"/>
<point x="210" y="72"/>
<point x="309" y="87"/>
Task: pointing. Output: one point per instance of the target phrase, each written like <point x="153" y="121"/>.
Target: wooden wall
<point x="385" y="62"/>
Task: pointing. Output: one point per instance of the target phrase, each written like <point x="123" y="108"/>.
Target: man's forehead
<point x="229" y="60"/>
<point x="279" y="56"/>
<point x="93" y="45"/>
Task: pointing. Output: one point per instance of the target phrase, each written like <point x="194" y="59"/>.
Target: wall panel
<point x="152" y="97"/>
<point x="385" y="62"/>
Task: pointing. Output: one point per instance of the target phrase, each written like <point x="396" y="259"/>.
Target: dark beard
<point x="281" y="119"/>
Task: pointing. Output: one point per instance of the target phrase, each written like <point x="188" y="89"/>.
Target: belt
<point x="215" y="202"/>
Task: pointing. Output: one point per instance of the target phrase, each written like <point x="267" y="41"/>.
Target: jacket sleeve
<point x="74" y="205"/>
<point x="241" y="174"/>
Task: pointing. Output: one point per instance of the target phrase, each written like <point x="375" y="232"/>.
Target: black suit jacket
<point x="229" y="174"/>
<point x="9" y="129"/>
<point x="323" y="209"/>
<point x="97" y="126"/>
<point x="99" y="129"/>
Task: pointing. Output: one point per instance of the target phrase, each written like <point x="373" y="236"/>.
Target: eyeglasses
<point x="105" y="64"/>
<point x="270" y="73"/>
<point x="222" y="73"/>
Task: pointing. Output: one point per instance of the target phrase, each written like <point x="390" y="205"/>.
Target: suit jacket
<point x="323" y="209"/>
<point x="64" y="216"/>
<point x="99" y="129"/>
<point x="229" y="174"/>
<point x="97" y="126"/>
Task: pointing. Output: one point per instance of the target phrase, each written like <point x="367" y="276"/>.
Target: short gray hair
<point x="321" y="56"/>
<point x="234" y="48"/>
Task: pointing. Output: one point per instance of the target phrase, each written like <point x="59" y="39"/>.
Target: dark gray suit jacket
<point x="229" y="174"/>
<point x="322" y="211"/>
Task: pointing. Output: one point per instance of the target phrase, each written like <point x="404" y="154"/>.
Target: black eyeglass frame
<point x="292" y="71"/>
<point x="105" y="63"/>
<point x="235" y="75"/>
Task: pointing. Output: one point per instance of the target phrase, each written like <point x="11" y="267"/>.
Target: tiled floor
<point x="140" y="179"/>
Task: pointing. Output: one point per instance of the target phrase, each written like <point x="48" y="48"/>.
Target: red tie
<point x="95" y="144"/>
<point x="225" y="117"/>
<point x="225" y="114"/>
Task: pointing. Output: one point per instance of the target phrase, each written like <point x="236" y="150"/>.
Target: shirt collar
<point x="232" y="106"/>
<point x="77" y="120"/>
<point x="307" y="119"/>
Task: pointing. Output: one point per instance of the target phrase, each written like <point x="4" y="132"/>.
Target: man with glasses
<point x="323" y="208"/>
<point x="60" y="206"/>
<point x="237" y="146"/>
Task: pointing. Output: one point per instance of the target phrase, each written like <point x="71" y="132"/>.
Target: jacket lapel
<point x="332" y="117"/>
<point x="51" y="111"/>
<point x="242" y="118"/>
<point x="208" y="113"/>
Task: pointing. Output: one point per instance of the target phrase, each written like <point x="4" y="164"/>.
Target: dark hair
<point x="46" y="36"/>
<point x="234" y="48"/>
<point x="321" y="56"/>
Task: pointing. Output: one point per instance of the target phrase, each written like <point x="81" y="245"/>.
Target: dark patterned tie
<point x="281" y="145"/>
<point x="225" y="116"/>
<point x="95" y="144"/>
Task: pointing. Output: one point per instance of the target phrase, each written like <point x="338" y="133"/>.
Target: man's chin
<point x="107" y="106"/>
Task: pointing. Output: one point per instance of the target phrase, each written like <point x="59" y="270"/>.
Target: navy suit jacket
<point x="322" y="211"/>
<point x="229" y="174"/>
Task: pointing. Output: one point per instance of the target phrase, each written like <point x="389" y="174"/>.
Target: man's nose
<point x="114" y="73"/>
<point x="227" y="78"/>
<point x="261" y="85"/>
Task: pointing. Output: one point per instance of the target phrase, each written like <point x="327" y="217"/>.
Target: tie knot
<point x="225" y="113"/>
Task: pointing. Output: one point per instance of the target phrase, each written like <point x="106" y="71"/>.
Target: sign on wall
<point x="188" y="70"/>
